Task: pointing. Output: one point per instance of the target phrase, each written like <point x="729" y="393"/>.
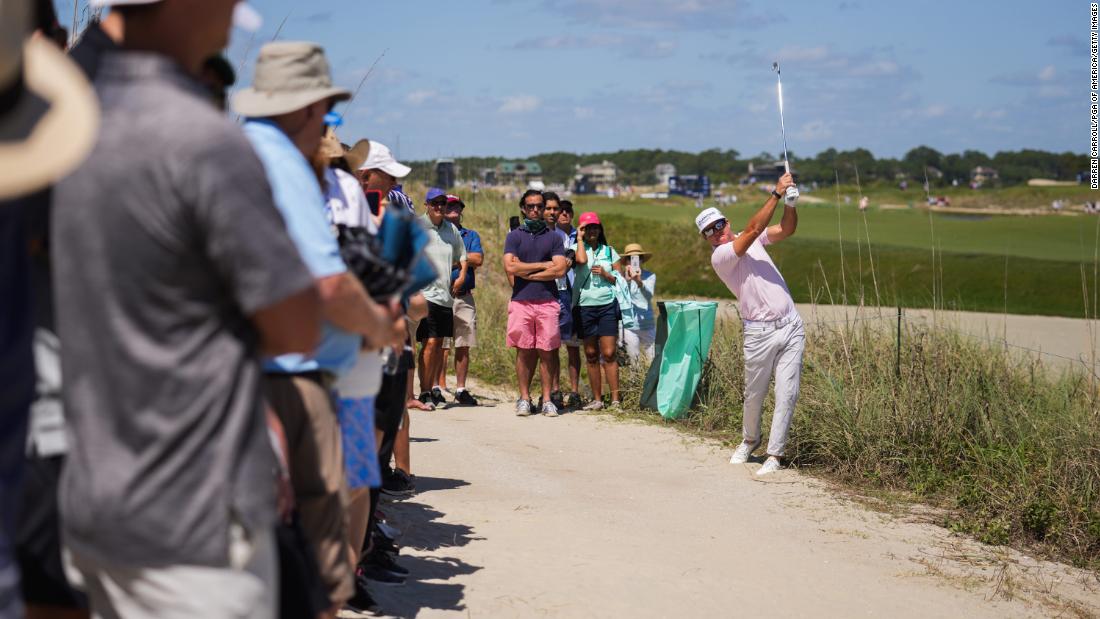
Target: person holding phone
<point x="642" y="285"/>
<point x="598" y="313"/>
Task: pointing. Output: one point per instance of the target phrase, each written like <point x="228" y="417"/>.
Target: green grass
<point x="970" y="281"/>
<point x="1067" y="238"/>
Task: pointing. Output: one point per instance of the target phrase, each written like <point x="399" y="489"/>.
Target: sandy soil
<point x="584" y="516"/>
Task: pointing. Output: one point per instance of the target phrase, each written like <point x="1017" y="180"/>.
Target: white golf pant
<point x="772" y="348"/>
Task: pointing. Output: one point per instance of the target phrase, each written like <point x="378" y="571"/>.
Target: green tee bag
<point x="684" y="333"/>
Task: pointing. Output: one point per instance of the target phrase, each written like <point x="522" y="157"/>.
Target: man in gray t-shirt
<point x="173" y="274"/>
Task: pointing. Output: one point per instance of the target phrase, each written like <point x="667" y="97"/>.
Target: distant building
<point x="445" y="171"/>
<point x="521" y="172"/>
<point x="765" y="173"/>
<point x="664" y="171"/>
<point x="604" y="173"/>
<point x="596" y="177"/>
<point x="488" y="176"/>
<point x="983" y="174"/>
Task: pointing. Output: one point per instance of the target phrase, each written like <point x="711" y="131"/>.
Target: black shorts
<point x="38" y="546"/>
<point x="599" y="320"/>
<point x="440" y="322"/>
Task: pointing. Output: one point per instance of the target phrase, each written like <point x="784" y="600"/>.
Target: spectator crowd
<point x="216" y="329"/>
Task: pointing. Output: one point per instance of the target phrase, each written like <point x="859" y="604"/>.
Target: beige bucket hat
<point x="49" y="115"/>
<point x="289" y="76"/>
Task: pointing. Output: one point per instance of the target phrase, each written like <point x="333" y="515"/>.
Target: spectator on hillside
<point x="465" y="311"/>
<point x="446" y="250"/>
<point x="30" y="535"/>
<point x="565" y="319"/>
<point x="571" y="342"/>
<point x="534" y="258"/>
<point x="291" y="93"/>
<point x="642" y="285"/>
<point x="379" y="171"/>
<point x="598" y="311"/>
<point x="346" y="205"/>
<point x="167" y="498"/>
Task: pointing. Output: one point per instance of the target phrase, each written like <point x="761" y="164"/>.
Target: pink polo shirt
<point x="754" y="280"/>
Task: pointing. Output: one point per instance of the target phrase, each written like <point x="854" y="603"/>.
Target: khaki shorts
<point x="465" y="323"/>
<point x="317" y="474"/>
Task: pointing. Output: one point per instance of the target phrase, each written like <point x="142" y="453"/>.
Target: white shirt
<point x="346" y="204"/>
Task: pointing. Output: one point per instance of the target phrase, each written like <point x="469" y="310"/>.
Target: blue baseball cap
<point x="434" y="193"/>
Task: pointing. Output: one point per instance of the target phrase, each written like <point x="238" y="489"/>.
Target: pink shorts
<point x="534" y="324"/>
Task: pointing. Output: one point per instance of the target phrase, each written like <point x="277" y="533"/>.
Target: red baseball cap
<point x="589" y="218"/>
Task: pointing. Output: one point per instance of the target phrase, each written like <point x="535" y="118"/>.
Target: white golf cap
<point x="708" y="217"/>
<point x="244" y="16"/>
<point x="380" y="158"/>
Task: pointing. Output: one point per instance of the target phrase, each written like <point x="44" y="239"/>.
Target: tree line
<point x="637" y="166"/>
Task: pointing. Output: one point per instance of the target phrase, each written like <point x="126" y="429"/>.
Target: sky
<point x="520" y="77"/>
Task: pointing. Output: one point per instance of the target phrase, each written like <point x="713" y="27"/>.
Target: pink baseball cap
<point x="589" y="218"/>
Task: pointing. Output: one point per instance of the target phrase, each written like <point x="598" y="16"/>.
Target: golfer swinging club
<point x="774" y="336"/>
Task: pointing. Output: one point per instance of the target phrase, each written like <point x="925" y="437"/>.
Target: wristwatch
<point x="778" y="196"/>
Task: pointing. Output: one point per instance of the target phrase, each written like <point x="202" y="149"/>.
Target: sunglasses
<point x="715" y="229"/>
<point x="438" y="203"/>
<point x="540" y="206"/>
<point x="454" y="208"/>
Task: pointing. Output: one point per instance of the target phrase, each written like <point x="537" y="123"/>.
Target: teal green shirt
<point x="595" y="290"/>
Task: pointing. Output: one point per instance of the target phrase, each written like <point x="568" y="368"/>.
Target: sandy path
<point x="587" y="516"/>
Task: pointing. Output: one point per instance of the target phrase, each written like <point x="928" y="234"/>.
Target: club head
<point x="775" y="66"/>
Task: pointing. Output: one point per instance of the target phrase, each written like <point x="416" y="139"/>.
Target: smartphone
<point x="636" y="264"/>
<point x="374" y="201"/>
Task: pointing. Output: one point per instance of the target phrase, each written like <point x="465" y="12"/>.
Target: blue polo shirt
<point x="472" y="240"/>
<point x="299" y="199"/>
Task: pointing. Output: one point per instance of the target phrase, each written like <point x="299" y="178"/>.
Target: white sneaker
<point x="742" y="453"/>
<point x="523" y="408"/>
<point x="770" y="465"/>
<point x="549" y="409"/>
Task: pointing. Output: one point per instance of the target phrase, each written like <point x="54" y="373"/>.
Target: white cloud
<point x="1047" y="73"/>
<point x="519" y="104"/>
<point x="583" y="113"/>
<point x="419" y="97"/>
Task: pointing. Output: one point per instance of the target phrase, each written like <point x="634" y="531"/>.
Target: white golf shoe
<point x="742" y="453"/>
<point x="770" y="465"/>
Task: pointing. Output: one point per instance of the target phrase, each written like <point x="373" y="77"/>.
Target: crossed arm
<point x="535" y="271"/>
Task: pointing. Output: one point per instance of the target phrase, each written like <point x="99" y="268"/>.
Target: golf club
<point x="791" y="196"/>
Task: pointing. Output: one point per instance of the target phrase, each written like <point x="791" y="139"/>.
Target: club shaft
<point x="782" y="123"/>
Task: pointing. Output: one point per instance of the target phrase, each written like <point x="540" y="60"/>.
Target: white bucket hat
<point x="48" y="111"/>
<point x="289" y="76"/>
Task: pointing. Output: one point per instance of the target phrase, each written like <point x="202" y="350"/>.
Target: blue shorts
<point x="356" y="417"/>
<point x="565" y="320"/>
<point x="600" y="320"/>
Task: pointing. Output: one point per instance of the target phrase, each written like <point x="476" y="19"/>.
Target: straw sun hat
<point x="635" y="249"/>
